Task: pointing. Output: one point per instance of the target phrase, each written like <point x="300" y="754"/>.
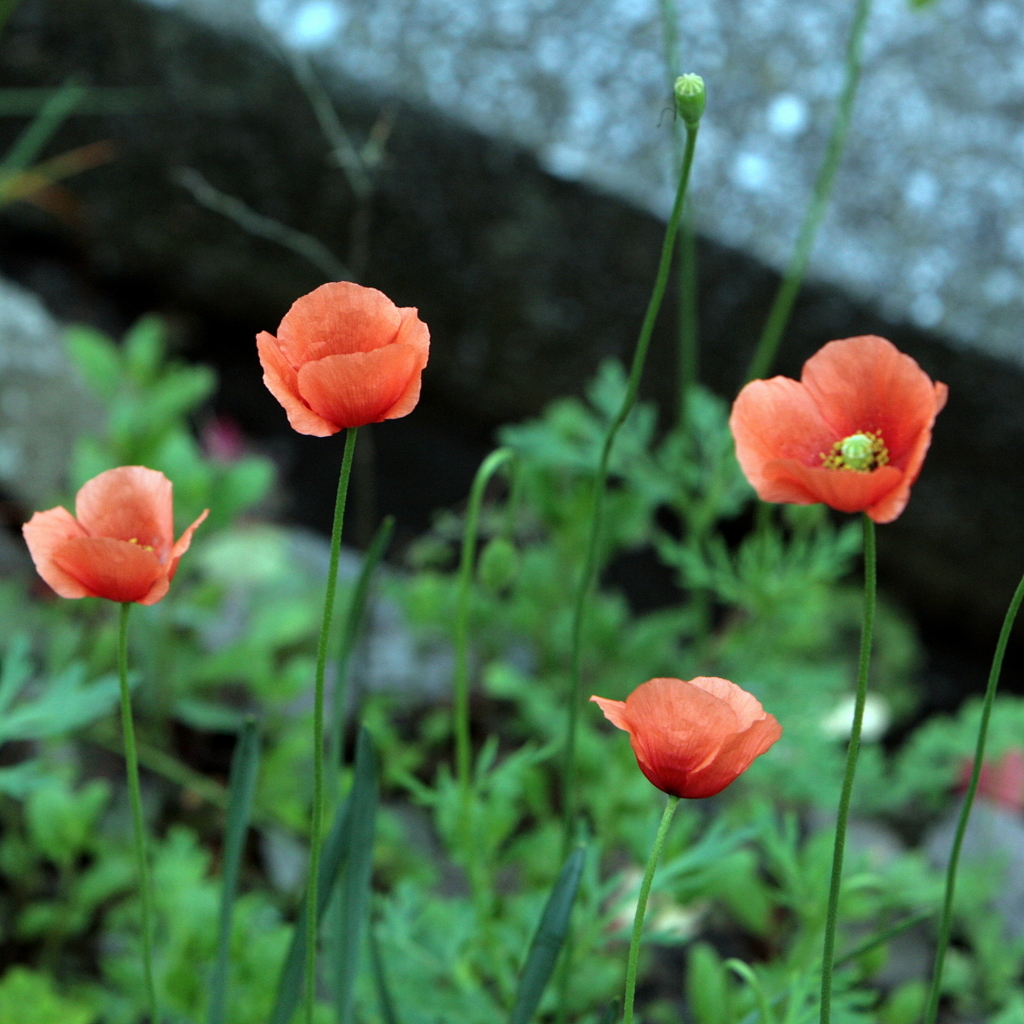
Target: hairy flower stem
<point x="778" y="316"/>
<point x="318" y="726"/>
<point x="979" y="755"/>
<point x="864" y="664"/>
<point x="131" y="758"/>
<point x="641" y="909"/>
<point x="586" y="577"/>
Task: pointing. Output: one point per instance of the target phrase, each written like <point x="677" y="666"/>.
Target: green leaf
<point x="245" y="764"/>
<point x="28" y="997"/>
<point x="57" y="109"/>
<point x="208" y="716"/>
<point x="548" y="939"/>
<point x="62" y="821"/>
<point x="384" y="998"/>
<point x="242" y="484"/>
<point x="354" y="897"/>
<point x="707" y="987"/>
<point x="66" y="704"/>
<point x="20" y="779"/>
<point x="97" y="359"/>
<point x="16" y="671"/>
<point x="144" y="349"/>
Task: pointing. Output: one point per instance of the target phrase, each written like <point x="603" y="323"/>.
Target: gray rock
<point x="994" y="839"/>
<point x="43" y="404"/>
<point x="389" y="657"/>
<point x="927" y="221"/>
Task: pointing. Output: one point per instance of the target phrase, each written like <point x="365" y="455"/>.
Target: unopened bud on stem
<point x="690" y="98"/>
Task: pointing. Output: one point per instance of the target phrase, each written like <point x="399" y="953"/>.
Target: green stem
<point x="463" y="752"/>
<point x="829" y="949"/>
<point x="487" y="469"/>
<point x="778" y="316"/>
<point x="318" y="724"/>
<point x="961" y="827"/>
<point x="586" y="578"/>
<point x="641" y="909"/>
<point x="349" y="635"/>
<point x="689" y="352"/>
<point x="131" y="758"/>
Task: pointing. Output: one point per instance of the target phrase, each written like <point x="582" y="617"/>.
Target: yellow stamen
<point x="861" y="453"/>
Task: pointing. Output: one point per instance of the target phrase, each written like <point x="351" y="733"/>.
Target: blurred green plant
<point x="760" y="596"/>
<point x="148" y="400"/>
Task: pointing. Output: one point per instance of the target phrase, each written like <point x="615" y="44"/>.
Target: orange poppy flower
<point x="851" y="433"/>
<point x="120" y="542"/>
<point x="344" y="356"/>
<point x="692" y="738"/>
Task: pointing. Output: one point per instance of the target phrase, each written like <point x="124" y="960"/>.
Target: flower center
<point x="145" y="547"/>
<point x="861" y="453"/>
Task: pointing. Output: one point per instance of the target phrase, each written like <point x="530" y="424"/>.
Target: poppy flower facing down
<point x="852" y="433"/>
<point x="692" y="738"/>
<point x="344" y="356"/>
<point x="120" y="542"/>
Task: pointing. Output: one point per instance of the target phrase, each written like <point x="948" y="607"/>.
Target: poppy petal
<point x="890" y="507"/>
<point x="841" y="489"/>
<point x="181" y="545"/>
<point x="110" y="568"/>
<point x="282" y="382"/>
<point x="413" y="332"/>
<point x="867" y="384"/>
<point x="675" y="724"/>
<point x="130" y="503"/>
<point x="614" y="711"/>
<point x="44" y="533"/>
<point x="734" y="757"/>
<point x="745" y="706"/>
<point x="775" y="420"/>
<point x="353" y="390"/>
<point x="337" y="318"/>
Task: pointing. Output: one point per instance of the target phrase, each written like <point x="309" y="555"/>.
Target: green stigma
<point x="860" y="453"/>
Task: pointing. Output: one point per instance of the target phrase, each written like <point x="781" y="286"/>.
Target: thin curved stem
<point x="315" y="827"/>
<point x="979" y="755"/>
<point x="641" y="909"/>
<point x="778" y="316"/>
<point x="488" y="468"/>
<point x="131" y="759"/>
<point x="586" y="577"/>
<point x="864" y="664"/>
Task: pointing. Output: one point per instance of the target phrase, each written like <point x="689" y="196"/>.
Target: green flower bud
<point x="690" y="98"/>
<point x="499" y="564"/>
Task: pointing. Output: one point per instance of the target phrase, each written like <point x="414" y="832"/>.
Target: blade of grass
<point x="778" y="315"/>
<point x="54" y="112"/>
<point x="353" y="621"/>
<point x="289" y="988"/>
<point x="354" y="895"/>
<point x="384" y="998"/>
<point x="548" y="939"/>
<point x="17" y="101"/>
<point x="245" y="764"/>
